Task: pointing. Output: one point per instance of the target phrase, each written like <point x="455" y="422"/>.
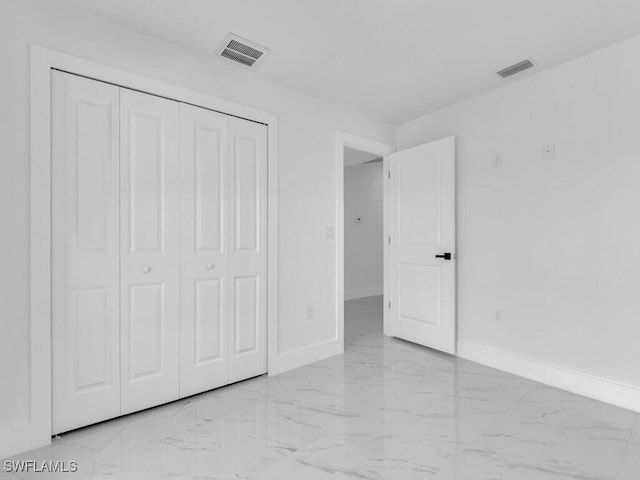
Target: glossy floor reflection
<point x="386" y="409"/>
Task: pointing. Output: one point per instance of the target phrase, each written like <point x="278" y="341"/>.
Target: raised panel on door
<point x="422" y="227"/>
<point x="248" y="249"/>
<point x="204" y="157"/>
<point x="85" y="256"/>
<point x="149" y="201"/>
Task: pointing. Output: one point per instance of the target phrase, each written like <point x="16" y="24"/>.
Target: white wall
<point x="363" y="242"/>
<point x="307" y="172"/>
<point x="552" y="243"/>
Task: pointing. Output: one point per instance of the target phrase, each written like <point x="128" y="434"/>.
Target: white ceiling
<point x="392" y="59"/>
<point x="353" y="157"/>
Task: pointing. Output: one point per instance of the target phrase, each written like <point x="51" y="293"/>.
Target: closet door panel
<point x="149" y="157"/>
<point x="248" y="253"/>
<point x="85" y="257"/>
<point x="203" y="243"/>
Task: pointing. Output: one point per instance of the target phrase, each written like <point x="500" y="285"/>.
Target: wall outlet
<point x="548" y="151"/>
<point x="309" y="312"/>
<point x="496" y="161"/>
<point x="497" y="316"/>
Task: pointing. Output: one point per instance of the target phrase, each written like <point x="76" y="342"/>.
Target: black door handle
<point x="446" y="256"/>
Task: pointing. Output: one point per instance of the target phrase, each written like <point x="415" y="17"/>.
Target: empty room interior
<point x="320" y="239"/>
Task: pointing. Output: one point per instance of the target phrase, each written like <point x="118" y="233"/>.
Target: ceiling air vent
<point x="517" y="68"/>
<point x="242" y="51"/>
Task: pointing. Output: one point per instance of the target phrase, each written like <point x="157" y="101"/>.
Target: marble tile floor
<point x="385" y="410"/>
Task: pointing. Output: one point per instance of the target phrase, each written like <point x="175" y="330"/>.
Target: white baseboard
<point x="362" y="292"/>
<point x="615" y="393"/>
<point x="306" y="355"/>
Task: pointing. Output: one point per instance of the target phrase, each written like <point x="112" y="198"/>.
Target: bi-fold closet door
<point x="159" y="250"/>
<point x="149" y="250"/>
<point x="204" y="169"/>
<point x="223" y="214"/>
<point x="85" y="234"/>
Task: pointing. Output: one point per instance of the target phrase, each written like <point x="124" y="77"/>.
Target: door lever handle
<point x="446" y="256"/>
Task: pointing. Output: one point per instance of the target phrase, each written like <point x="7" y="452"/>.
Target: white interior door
<point x="85" y="252"/>
<point x="204" y="323"/>
<point x="149" y="183"/>
<point x="247" y="248"/>
<point x="422" y="244"/>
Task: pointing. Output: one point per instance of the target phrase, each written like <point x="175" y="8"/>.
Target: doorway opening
<point x="363" y="243"/>
<point x="418" y="240"/>
<point x="362" y="252"/>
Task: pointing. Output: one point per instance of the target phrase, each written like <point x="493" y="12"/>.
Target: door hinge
<point x="389" y="238"/>
<point x="389" y="173"/>
<point x="389" y="305"/>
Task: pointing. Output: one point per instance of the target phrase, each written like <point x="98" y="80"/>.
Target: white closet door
<point x="85" y="290"/>
<point x="149" y="154"/>
<point x="248" y="248"/>
<point x="204" y="158"/>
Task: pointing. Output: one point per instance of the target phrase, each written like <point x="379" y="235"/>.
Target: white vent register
<point x="241" y="50"/>
<point x="516" y="68"/>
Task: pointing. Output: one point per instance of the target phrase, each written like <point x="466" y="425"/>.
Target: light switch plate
<point x="330" y="233"/>
<point x="548" y="151"/>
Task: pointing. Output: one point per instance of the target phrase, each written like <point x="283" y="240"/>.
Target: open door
<point x="422" y="245"/>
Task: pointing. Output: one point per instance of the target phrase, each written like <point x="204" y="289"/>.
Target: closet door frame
<point x="34" y="430"/>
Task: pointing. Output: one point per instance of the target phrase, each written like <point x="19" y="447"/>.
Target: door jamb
<point x="35" y="430"/>
<point x="344" y="139"/>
